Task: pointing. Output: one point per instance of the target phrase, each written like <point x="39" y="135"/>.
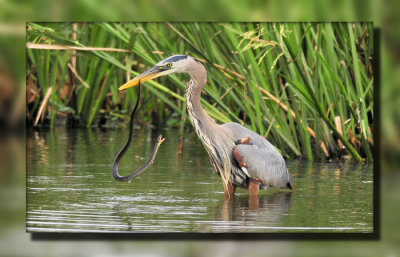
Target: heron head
<point x="172" y="64"/>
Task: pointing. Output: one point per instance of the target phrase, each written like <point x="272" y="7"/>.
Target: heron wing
<point x="259" y="159"/>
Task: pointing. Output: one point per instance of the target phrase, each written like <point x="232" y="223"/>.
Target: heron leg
<point x="253" y="187"/>
<point x="229" y="191"/>
<point x="253" y="194"/>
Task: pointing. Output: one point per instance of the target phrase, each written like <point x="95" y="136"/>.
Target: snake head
<point x="160" y="140"/>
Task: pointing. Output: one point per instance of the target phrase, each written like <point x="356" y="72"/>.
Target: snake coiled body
<point x="126" y="146"/>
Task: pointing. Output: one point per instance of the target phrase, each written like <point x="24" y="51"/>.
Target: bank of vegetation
<point x="306" y="87"/>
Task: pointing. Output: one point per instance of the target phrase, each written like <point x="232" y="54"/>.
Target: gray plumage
<point x="263" y="160"/>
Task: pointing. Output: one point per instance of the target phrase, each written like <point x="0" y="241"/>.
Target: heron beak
<point x="151" y="73"/>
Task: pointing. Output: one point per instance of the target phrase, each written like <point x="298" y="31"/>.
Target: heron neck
<point x="199" y="118"/>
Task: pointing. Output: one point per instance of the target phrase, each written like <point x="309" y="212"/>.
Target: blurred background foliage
<point x="307" y="87"/>
<point x="14" y="15"/>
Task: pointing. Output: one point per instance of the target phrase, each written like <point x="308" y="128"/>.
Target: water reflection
<point x="269" y="208"/>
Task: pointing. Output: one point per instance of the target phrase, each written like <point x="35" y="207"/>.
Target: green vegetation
<point x="307" y="87"/>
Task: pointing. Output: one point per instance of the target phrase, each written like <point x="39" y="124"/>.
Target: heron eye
<point x="169" y="64"/>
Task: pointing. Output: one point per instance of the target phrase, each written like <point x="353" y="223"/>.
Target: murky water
<point x="70" y="188"/>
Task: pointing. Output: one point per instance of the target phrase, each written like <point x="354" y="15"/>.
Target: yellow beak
<point x="151" y="73"/>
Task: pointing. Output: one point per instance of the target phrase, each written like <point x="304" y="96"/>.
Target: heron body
<point x="240" y="156"/>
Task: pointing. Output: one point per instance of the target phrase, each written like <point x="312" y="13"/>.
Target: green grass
<point x="321" y="73"/>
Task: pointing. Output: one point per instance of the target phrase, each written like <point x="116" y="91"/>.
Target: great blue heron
<point x="240" y="156"/>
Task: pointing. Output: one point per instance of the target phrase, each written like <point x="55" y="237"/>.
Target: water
<point x="70" y="188"/>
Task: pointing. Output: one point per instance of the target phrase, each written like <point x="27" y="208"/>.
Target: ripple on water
<point x="72" y="190"/>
